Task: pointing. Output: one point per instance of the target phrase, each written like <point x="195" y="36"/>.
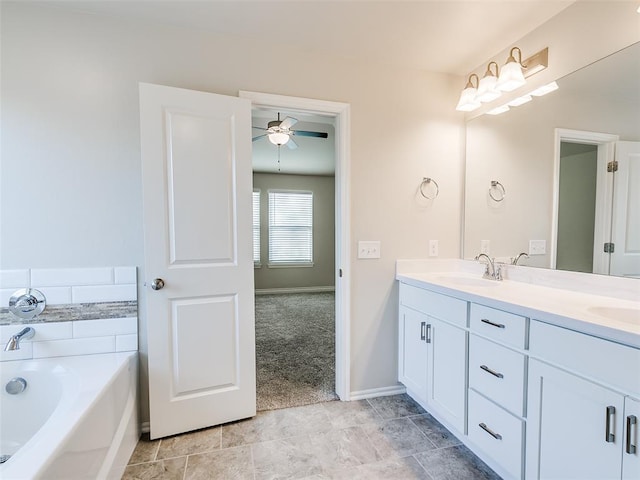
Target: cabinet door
<point x="447" y="372"/>
<point x="574" y="427"/>
<point x="631" y="455"/>
<point x="412" y="366"/>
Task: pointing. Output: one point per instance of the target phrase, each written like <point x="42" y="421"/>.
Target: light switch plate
<point x="433" y="248"/>
<point x="369" y="249"/>
<point x="537" y="247"/>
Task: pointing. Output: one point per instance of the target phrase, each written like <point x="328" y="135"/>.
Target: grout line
<point x="155" y="455"/>
<point x="184" y="471"/>
<point x="422" y="466"/>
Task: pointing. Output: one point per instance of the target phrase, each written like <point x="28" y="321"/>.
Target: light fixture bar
<point x="536" y="62"/>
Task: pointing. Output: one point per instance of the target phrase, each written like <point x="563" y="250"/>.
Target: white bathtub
<point x="76" y="419"/>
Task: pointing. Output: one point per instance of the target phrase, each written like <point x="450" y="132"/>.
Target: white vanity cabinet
<point x="582" y="418"/>
<point x="433" y="352"/>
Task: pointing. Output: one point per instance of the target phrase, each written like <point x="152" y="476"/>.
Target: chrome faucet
<point x="493" y="271"/>
<point x="14" y="341"/>
<point x="520" y="255"/>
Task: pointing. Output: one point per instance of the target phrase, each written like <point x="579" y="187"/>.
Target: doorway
<point x="336" y="114"/>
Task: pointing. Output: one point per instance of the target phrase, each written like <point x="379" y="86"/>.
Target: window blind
<point x="256" y="227"/>
<point x="290" y="227"/>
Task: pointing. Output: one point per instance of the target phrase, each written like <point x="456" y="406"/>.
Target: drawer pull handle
<point x="630" y="448"/>
<point x="495" y="435"/>
<point x="608" y="436"/>
<point x="493" y="324"/>
<point x="492" y="372"/>
<point x="423" y="327"/>
<point x="428" y="340"/>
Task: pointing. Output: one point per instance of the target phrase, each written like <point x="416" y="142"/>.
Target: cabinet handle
<point x="423" y="327"/>
<point x="428" y="333"/>
<point x="608" y="436"/>
<point x="493" y="324"/>
<point x="492" y="372"/>
<point x="630" y="447"/>
<point x="495" y="435"/>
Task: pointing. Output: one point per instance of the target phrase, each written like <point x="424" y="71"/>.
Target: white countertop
<point x="616" y="319"/>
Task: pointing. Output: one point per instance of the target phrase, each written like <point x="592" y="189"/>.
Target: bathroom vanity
<point x="539" y="381"/>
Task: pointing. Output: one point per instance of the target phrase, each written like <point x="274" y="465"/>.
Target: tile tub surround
<point x="89" y="310"/>
<point x="378" y="438"/>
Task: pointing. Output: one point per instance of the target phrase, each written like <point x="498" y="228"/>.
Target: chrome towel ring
<point x="426" y="181"/>
<point x="497" y="191"/>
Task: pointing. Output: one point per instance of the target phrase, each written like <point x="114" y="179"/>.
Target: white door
<point x="197" y="184"/>
<point x="574" y="427"/>
<point x="631" y="445"/>
<point x="625" y="228"/>
<point x="413" y="352"/>
<point x="447" y="371"/>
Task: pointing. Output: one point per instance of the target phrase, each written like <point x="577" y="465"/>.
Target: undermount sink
<point x="627" y="315"/>
<point x="469" y="281"/>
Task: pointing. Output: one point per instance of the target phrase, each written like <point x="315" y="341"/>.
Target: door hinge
<point x="609" y="247"/>
<point x="340" y="272"/>
<point x="612" y="166"/>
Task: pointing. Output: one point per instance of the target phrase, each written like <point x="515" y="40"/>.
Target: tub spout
<point x="14" y="341"/>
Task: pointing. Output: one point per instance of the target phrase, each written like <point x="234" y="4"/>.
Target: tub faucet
<point x="493" y="271"/>
<point x="14" y="341"/>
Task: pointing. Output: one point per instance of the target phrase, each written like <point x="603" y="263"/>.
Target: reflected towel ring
<point x="496" y="185"/>
<point x="426" y="181"/>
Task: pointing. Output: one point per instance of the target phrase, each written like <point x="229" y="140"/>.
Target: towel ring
<point x="426" y="181"/>
<point x="496" y="185"/>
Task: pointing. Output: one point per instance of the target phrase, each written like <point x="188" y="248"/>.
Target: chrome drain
<point x="4" y="458"/>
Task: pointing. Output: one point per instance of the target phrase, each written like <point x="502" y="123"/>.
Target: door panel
<point x="625" y="228"/>
<point x="197" y="186"/>
<point x="413" y="346"/>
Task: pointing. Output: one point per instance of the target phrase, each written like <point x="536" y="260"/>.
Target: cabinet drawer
<point x="601" y="360"/>
<point x="502" y="326"/>
<point x="502" y="435"/>
<point x="497" y="372"/>
<point x="451" y="309"/>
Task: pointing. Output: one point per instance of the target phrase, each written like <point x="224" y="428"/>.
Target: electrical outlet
<point x="369" y="249"/>
<point x="537" y="247"/>
<point x="485" y="247"/>
<point x="433" y="248"/>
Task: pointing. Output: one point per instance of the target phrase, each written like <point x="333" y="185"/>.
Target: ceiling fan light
<point x="278" y="138"/>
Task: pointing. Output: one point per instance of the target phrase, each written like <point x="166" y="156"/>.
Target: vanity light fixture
<point x="511" y="76"/>
<point x="516" y="102"/>
<point x="498" y="110"/>
<point x="543" y="90"/>
<point x="468" y="102"/>
<point x="487" y="91"/>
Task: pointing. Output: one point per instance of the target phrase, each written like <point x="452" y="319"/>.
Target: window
<point x="290" y="227"/>
<point x="256" y="227"/>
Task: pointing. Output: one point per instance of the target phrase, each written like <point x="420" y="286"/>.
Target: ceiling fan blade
<point x="288" y="122"/>
<point x="303" y="133"/>
<point x="291" y="144"/>
<point x="258" y="137"/>
<point x="259" y="128"/>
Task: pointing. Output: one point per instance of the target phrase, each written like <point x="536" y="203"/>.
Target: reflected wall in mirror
<point x="548" y="211"/>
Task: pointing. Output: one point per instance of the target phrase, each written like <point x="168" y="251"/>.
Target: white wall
<point x="71" y="193"/>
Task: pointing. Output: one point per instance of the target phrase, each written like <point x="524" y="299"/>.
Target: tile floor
<point x="380" y="438"/>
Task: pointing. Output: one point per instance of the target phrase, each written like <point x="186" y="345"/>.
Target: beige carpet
<point x="295" y="349"/>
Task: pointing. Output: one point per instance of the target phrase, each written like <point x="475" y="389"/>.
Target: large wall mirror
<point x="537" y="180"/>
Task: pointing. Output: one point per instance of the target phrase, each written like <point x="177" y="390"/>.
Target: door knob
<point x="157" y="284"/>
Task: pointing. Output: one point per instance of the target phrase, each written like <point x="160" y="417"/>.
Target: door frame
<point x="604" y="189"/>
<point x="341" y="113"/>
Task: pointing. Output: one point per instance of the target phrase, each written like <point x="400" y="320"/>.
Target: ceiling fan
<point x="279" y="132"/>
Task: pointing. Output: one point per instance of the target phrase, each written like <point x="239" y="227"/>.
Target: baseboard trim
<point x="377" y="392"/>
<point x="272" y="291"/>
